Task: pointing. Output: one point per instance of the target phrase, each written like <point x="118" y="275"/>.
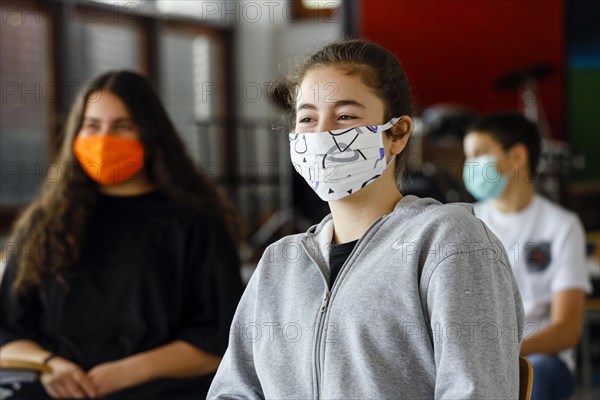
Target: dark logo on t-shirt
<point x="537" y="256"/>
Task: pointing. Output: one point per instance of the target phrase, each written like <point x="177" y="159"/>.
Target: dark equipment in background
<point x="558" y="160"/>
<point x="435" y="156"/>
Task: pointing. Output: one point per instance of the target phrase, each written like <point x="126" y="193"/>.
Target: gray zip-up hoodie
<point x="425" y="306"/>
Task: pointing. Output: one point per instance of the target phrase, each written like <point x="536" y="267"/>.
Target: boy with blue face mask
<point x="544" y="242"/>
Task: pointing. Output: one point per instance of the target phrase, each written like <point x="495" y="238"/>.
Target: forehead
<point x="324" y="85"/>
<point x="478" y="139"/>
<point x="105" y="104"/>
<point x="477" y="143"/>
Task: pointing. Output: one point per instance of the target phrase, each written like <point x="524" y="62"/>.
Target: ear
<point x="520" y="156"/>
<point x="400" y="134"/>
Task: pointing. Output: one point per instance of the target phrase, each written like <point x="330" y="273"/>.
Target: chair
<point x="525" y="378"/>
<point x="17" y="371"/>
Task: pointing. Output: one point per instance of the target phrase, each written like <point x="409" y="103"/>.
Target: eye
<point x="305" y="120"/>
<point x="124" y="127"/>
<point x="91" y="125"/>
<point x="346" y="117"/>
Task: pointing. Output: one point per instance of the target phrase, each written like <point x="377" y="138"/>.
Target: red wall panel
<point x="453" y="50"/>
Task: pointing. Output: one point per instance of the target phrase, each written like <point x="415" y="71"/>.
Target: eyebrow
<point x="119" y="119"/>
<point x="337" y="104"/>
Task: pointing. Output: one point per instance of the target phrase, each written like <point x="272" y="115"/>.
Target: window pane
<point x="96" y="47"/>
<point x="187" y="68"/>
<point x="27" y="94"/>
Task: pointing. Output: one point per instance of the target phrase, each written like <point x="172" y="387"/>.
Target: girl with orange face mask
<point x="125" y="276"/>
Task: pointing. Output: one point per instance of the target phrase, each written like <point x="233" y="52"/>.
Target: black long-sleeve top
<point x="150" y="272"/>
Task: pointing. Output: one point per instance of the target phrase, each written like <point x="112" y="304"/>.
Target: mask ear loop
<point x="387" y="127"/>
<point x="391" y="160"/>
<point x="390" y="124"/>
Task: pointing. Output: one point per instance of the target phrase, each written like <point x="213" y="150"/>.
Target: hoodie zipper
<point x="325" y="304"/>
<point x="320" y="330"/>
<point x="319" y="327"/>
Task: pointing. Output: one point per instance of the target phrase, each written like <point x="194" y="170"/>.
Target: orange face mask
<point x="109" y="159"/>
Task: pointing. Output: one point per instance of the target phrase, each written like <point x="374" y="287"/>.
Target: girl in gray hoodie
<point x="390" y="296"/>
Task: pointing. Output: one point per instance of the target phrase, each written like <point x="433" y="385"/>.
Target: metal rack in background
<point x="558" y="160"/>
<point x="259" y="179"/>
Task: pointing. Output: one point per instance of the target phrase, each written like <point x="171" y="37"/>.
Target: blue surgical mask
<point x="482" y="178"/>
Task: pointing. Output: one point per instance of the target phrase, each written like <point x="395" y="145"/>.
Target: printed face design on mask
<point x="340" y="162"/>
<point x="482" y="179"/>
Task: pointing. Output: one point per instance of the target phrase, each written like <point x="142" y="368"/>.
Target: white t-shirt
<point x="546" y="247"/>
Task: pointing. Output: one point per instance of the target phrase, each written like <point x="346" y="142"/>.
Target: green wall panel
<point x="583" y="90"/>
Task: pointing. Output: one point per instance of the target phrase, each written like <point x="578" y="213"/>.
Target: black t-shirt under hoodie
<point x="151" y="271"/>
<point x="338" y="254"/>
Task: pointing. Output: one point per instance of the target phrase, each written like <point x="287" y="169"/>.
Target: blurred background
<point x="213" y="62"/>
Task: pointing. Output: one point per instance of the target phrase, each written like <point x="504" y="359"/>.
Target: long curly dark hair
<point x="48" y="234"/>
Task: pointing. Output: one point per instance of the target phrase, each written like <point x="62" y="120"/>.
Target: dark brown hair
<point x="509" y="128"/>
<point x="376" y="66"/>
<point x="49" y="233"/>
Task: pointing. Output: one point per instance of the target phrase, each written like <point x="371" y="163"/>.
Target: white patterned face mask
<point x="341" y="162"/>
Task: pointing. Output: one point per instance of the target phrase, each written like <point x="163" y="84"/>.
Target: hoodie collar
<point x="317" y="239"/>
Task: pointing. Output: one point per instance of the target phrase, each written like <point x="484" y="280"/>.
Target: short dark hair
<point x="509" y="128"/>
